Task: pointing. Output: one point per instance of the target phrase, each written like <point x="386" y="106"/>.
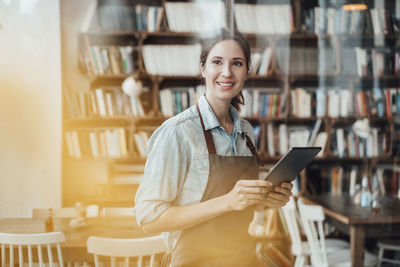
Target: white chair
<point x="126" y="249"/>
<point x="312" y="215"/>
<point x="117" y="211"/>
<point x="26" y="242"/>
<point x="300" y="248"/>
<point x="91" y="211"/>
<point x="393" y="245"/>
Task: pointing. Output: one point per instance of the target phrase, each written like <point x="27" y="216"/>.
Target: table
<point x="360" y="222"/>
<point x="74" y="249"/>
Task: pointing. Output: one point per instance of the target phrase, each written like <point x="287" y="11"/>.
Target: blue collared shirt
<point x="177" y="165"/>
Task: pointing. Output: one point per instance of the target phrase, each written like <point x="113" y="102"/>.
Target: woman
<point x="201" y="183"/>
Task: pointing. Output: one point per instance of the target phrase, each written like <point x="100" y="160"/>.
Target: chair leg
<point x="299" y="261"/>
<point x="380" y="257"/>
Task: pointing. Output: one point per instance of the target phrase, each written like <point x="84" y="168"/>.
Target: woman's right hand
<point x="246" y="193"/>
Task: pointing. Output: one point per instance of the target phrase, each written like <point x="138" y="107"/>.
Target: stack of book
<point x="197" y="17"/>
<point x="264" y="19"/>
<point x="172" y="60"/>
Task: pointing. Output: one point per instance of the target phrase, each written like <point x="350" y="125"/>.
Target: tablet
<point x="289" y="166"/>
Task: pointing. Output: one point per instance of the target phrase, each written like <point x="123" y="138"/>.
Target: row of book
<point x="207" y="16"/>
<point x="387" y="180"/>
<point x="102" y="102"/>
<point x="280" y="137"/>
<point x="101" y="143"/>
<point x="306" y="60"/>
<point x="264" y="19"/>
<point x="346" y="142"/>
<point x="261" y="62"/>
<point x="175" y="100"/>
<point x="339" y="21"/>
<point x="130" y="18"/>
<point x="107" y="143"/>
<point x="263" y="103"/>
<point x="340" y="180"/>
<point x="374" y="62"/>
<point x="166" y="60"/>
<point x="259" y="102"/>
<point x="100" y="60"/>
<point x="339" y="102"/>
<point x="197" y="17"/>
<point x="111" y="102"/>
<point x="172" y="60"/>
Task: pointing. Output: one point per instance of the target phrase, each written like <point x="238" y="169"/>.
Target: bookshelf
<point x="312" y="78"/>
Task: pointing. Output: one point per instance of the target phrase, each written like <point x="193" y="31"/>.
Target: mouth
<point x="225" y="84"/>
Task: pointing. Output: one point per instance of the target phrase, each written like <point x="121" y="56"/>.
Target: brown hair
<point x="222" y="35"/>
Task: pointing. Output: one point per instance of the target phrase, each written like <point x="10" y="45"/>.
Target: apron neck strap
<point x="210" y="141"/>
<point x="249" y="143"/>
<point x="207" y="135"/>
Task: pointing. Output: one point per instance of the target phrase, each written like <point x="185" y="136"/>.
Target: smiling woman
<point x="200" y="184"/>
<point x="225" y="72"/>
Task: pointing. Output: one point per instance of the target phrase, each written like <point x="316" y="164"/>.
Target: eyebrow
<point x="235" y="58"/>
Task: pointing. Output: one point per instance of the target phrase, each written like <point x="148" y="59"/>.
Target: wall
<point x="30" y="106"/>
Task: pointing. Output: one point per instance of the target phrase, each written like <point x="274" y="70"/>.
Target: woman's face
<point x="225" y="70"/>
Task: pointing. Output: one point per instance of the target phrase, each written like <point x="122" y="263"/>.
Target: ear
<point x="202" y="68"/>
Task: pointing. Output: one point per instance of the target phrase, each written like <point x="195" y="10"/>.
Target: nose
<point x="226" y="70"/>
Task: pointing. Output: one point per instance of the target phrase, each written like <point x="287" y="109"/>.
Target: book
<point x="353" y="180"/>
<point x="314" y="132"/>
<point x="89" y="16"/>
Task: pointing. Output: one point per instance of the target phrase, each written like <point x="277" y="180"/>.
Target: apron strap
<point x="207" y="135"/>
<point x="210" y="141"/>
<point x="249" y="143"/>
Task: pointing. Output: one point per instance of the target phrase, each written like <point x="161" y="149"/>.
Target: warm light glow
<point x="354" y="7"/>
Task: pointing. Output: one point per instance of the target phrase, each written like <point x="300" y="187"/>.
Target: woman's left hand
<point x="279" y="196"/>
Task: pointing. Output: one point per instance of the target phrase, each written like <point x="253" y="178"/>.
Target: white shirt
<point x="177" y="165"/>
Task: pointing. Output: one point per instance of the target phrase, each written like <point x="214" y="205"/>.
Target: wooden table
<point x="360" y="222"/>
<point x="74" y="249"/>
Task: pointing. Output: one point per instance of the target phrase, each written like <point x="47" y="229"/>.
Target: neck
<point x="221" y="110"/>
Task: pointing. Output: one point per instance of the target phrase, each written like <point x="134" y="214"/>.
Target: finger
<point x="259" y="197"/>
<point x="263" y="183"/>
<point x="287" y="185"/>
<point x="273" y="203"/>
<point x="277" y="196"/>
<point x="253" y="190"/>
<point x="283" y="191"/>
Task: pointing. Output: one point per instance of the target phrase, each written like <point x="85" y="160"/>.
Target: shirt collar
<point x="211" y="121"/>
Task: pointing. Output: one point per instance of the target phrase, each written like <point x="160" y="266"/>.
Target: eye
<point x="216" y="61"/>
<point x="238" y="63"/>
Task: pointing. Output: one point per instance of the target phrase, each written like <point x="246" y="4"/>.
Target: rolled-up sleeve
<point x="164" y="173"/>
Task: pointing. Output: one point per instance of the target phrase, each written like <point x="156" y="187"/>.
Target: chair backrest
<point x="26" y="242"/>
<point x="126" y="249"/>
<point x="290" y="214"/>
<point x="313" y="217"/>
<point x="117" y="211"/>
<point x="91" y="211"/>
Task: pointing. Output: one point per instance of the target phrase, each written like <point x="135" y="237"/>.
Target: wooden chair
<point x="126" y="248"/>
<point x="313" y="217"/>
<point x="91" y="211"/>
<point x="117" y="211"/>
<point x="26" y="242"/>
<point x="391" y="245"/>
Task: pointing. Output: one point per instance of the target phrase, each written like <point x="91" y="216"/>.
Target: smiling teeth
<point x="225" y="84"/>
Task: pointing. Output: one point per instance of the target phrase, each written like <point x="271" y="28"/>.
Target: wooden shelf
<point x="98" y="122"/>
<point x="284" y="82"/>
<point x="113" y="122"/>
